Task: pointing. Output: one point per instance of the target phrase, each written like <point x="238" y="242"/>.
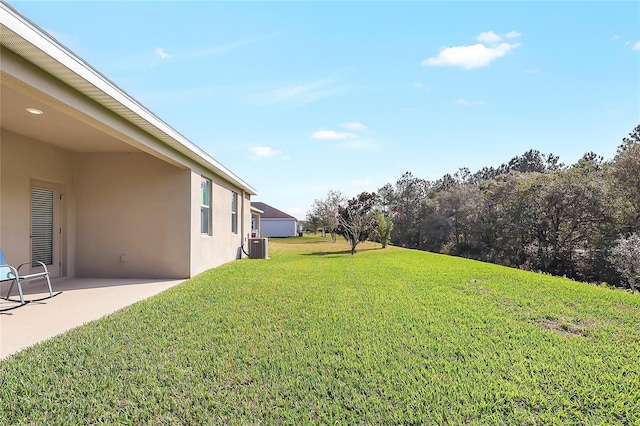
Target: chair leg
<point x="20" y="290"/>
<point x="16" y="282"/>
<point x="49" y="285"/>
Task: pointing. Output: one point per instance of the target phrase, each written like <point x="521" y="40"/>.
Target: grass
<point x="317" y="336"/>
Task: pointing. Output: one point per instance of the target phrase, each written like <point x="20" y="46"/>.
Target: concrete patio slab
<point x="82" y="300"/>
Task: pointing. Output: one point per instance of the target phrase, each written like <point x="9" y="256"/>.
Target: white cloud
<point x="264" y="151"/>
<point x="476" y="55"/>
<point x="189" y="54"/>
<point x="489" y="38"/>
<point x="332" y="135"/>
<point x="228" y="47"/>
<point x="636" y="46"/>
<point x="469" y="57"/>
<point x="465" y="102"/>
<point x="161" y="53"/>
<point x="300" y="94"/>
<point x="354" y="126"/>
<point x="615" y="37"/>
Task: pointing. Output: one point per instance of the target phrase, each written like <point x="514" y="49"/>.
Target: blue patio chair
<point x="10" y="273"/>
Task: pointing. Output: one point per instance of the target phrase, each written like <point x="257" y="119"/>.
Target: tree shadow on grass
<point x="340" y="253"/>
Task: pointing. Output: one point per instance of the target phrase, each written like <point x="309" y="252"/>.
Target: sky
<point x="300" y="98"/>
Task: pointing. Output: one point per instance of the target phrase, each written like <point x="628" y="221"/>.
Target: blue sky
<point x="299" y="98"/>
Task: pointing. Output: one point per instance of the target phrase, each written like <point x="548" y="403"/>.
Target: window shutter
<point x="42" y="225"/>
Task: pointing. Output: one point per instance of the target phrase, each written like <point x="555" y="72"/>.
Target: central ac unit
<point x="258" y="248"/>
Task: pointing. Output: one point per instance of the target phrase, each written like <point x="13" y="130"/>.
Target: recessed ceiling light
<point x="34" y="111"/>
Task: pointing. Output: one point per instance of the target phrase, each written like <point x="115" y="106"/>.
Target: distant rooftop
<point x="270" y="212"/>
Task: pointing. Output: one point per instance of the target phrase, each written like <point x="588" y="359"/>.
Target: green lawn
<point x="317" y="336"/>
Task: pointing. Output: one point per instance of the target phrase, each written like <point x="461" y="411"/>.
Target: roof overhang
<point x="28" y="41"/>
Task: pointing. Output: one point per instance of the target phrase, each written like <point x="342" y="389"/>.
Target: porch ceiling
<point x="53" y="126"/>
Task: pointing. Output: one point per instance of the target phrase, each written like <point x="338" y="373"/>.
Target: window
<point x="234" y="212"/>
<point x="205" y="206"/>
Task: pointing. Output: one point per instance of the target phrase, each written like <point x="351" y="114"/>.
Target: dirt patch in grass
<point x="629" y="308"/>
<point x="566" y="328"/>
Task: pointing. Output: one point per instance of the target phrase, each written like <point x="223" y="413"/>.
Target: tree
<point x="500" y="211"/>
<point x="589" y="162"/>
<point x="534" y="161"/>
<point x="460" y="206"/>
<point x="384" y="226"/>
<point x="626" y="258"/>
<point x="356" y="221"/>
<point x="407" y="201"/>
<point x="634" y="137"/>
<point x="324" y="213"/>
<point x="626" y="173"/>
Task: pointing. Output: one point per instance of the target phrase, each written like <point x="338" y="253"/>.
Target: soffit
<point x="54" y="126"/>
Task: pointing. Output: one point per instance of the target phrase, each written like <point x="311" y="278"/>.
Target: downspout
<point x="242" y="236"/>
<point x="0" y="189"/>
<point x="242" y="209"/>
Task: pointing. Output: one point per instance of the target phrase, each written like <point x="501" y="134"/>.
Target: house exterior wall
<point x="116" y="204"/>
<point x="133" y="217"/>
<point x="125" y="214"/>
<point x="278" y="227"/>
<point x="24" y="161"/>
<point x="222" y="245"/>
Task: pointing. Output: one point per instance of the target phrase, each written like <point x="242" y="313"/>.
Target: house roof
<point x="270" y="212"/>
<point x="28" y="41"/>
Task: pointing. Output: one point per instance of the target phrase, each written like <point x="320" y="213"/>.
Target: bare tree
<point x="324" y="213"/>
<point x="626" y="258"/>
<point x="357" y="220"/>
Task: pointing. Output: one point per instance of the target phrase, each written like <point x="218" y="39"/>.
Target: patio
<point x="82" y="300"/>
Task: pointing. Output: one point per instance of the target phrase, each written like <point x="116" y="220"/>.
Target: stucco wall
<point x="116" y="204"/>
<point x="23" y="162"/>
<point x="133" y="217"/>
<point x="222" y="246"/>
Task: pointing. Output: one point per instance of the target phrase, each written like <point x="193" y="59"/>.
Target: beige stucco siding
<point x="133" y="219"/>
<point x="25" y="162"/>
<point x="222" y="246"/>
<point x="116" y="204"/>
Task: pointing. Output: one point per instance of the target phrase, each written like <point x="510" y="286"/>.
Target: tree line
<point x="581" y="221"/>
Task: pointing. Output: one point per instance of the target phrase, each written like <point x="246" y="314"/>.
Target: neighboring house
<point x="275" y="223"/>
<point x="95" y="185"/>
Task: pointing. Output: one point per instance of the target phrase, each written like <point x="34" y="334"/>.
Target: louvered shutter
<point x="42" y="225"/>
